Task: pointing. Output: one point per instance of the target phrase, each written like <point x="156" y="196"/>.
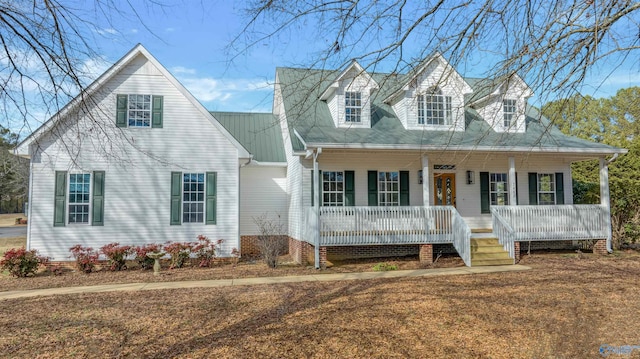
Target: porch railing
<point x="353" y="226"/>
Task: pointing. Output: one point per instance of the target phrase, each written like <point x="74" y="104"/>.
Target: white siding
<point x="263" y="190"/>
<point x="138" y="164"/>
<point x="492" y="110"/>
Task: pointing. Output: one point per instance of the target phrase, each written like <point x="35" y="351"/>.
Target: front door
<point x="444" y="189"/>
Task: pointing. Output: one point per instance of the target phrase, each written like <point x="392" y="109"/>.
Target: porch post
<point x="316" y="205"/>
<point x="425" y="181"/>
<point x="513" y="196"/>
<point x="604" y="199"/>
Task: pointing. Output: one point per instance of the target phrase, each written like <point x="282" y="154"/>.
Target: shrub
<point x="116" y="255"/>
<point x="383" y="267"/>
<point x="205" y="250"/>
<point x="21" y="262"/>
<point x="141" y="254"/>
<point x="86" y="258"/>
<point x="271" y="241"/>
<point x="179" y="253"/>
<point x="235" y="255"/>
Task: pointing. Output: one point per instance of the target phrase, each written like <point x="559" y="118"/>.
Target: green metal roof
<point x="259" y="133"/>
<point x="311" y="119"/>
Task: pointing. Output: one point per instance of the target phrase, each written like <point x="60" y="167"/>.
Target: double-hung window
<point x="509" y="111"/>
<point x="193" y="197"/>
<point x="434" y="108"/>
<point x="79" y="197"/>
<point x="353" y="107"/>
<point x="498" y="189"/>
<point x="333" y="188"/>
<point x="139" y="110"/>
<point x="388" y="189"/>
<point x="546" y="188"/>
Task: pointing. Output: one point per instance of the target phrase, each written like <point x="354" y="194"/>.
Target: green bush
<point x="383" y="267"/>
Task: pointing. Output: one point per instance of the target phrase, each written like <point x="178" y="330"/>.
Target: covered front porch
<point x="448" y="215"/>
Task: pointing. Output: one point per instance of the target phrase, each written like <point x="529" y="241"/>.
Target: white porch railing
<point x="352" y="226"/>
<point x="549" y="223"/>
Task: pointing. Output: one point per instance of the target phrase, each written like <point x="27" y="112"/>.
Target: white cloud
<point x="134" y="31"/>
<point x="169" y="29"/>
<point x="178" y="70"/>
<point x="107" y="31"/>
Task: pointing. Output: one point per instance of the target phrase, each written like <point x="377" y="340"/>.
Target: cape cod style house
<point x="354" y="163"/>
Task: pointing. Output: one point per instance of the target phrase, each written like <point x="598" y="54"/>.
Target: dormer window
<point x="434" y="108"/>
<point x="509" y="111"/>
<point x="352" y="107"/>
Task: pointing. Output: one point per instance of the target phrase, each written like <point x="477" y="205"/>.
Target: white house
<point x="354" y="163"/>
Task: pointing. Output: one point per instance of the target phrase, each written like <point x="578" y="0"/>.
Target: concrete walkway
<point x="262" y="280"/>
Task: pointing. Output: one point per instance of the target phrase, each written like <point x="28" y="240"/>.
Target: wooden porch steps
<point x="487" y="251"/>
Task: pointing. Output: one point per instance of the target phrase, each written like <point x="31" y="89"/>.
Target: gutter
<point x="239" y="196"/>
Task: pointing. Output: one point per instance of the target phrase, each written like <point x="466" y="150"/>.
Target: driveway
<point x="15" y="231"/>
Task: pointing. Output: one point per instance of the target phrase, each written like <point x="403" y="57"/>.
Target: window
<point x="509" y="110"/>
<point x="498" y="189"/>
<point x="79" y="197"/>
<point x="388" y="189"/>
<point x="546" y="188"/>
<point x="353" y="107"/>
<point x="332" y="188"/>
<point x="139" y="113"/>
<point x="137" y="110"/>
<point x="434" y="108"/>
<point x="193" y="197"/>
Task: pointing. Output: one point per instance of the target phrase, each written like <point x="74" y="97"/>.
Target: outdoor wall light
<point x="471" y="177"/>
<point x="419" y="176"/>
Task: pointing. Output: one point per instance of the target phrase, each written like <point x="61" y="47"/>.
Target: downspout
<point x="239" y="201"/>
<point x="316" y="205"/>
<point x="610" y="235"/>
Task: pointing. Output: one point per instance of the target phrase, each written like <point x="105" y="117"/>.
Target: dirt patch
<point x="564" y="307"/>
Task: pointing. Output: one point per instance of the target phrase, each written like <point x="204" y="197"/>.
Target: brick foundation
<point x="303" y="253"/>
<point x="249" y="247"/>
<point x="600" y="247"/>
<point x="426" y="253"/>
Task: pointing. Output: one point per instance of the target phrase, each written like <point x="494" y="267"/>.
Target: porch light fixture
<point x="419" y="176"/>
<point x="471" y="177"/>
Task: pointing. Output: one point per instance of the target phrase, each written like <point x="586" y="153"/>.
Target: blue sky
<point x="190" y="40"/>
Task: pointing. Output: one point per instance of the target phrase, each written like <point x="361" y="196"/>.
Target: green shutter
<point x="559" y="188"/>
<point x="349" y="188"/>
<point x="156" y="113"/>
<point x="533" y="188"/>
<point x="373" y="188"/>
<point x="60" y="203"/>
<point x="97" y="205"/>
<point x="176" y="197"/>
<point x="484" y="193"/>
<point x="121" y="111"/>
<point x="212" y="191"/>
<point x="404" y="188"/>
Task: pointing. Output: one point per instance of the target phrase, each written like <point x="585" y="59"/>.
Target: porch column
<point x="425" y="181"/>
<point x="513" y="196"/>
<point x="604" y="199"/>
<point x="316" y="205"/>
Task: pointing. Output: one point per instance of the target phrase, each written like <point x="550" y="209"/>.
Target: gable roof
<point x="259" y="133"/>
<point x="334" y="85"/>
<point x="23" y="147"/>
<point x="486" y="88"/>
<point x="310" y="120"/>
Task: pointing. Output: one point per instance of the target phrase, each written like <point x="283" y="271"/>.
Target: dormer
<point x="503" y="107"/>
<point x="349" y="97"/>
<point x="432" y="97"/>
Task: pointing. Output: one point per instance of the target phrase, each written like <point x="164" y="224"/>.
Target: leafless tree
<point x="272" y="241"/>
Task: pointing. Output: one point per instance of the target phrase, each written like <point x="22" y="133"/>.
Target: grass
<point x="11" y="242"/>
<point x="562" y="308"/>
<point x="9" y="219"/>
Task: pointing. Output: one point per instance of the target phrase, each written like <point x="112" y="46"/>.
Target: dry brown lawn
<point x="564" y="307"/>
<point x="9" y="219"/>
<point x="11" y="242"/>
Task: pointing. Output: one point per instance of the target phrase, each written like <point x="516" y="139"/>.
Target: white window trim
<point x="329" y="192"/>
<point x="357" y="108"/>
<point x="129" y="102"/>
<point x="204" y="199"/>
<point x="69" y="204"/>
<point x="505" y="192"/>
<point x="383" y="192"/>
<point x="508" y="103"/>
<point x="552" y="191"/>
<point x="436" y="96"/>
